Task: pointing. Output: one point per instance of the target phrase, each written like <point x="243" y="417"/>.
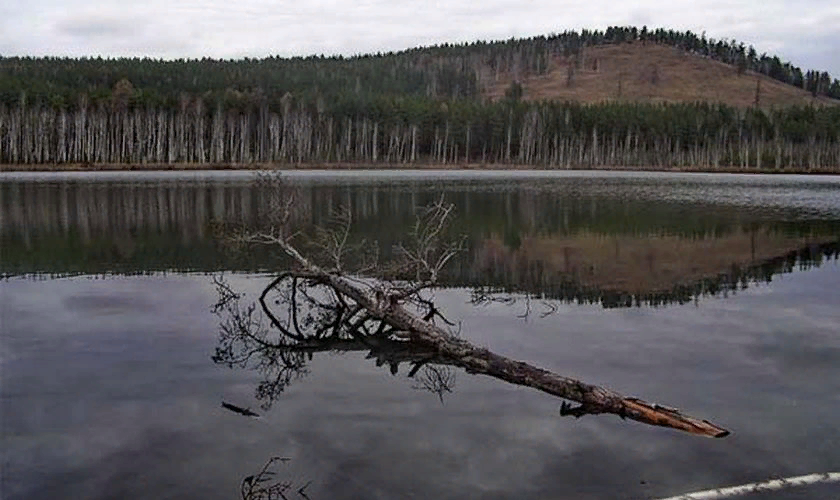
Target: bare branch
<point x="438" y="380"/>
<point x="426" y="254"/>
<point x="264" y="485"/>
<point x="332" y="239"/>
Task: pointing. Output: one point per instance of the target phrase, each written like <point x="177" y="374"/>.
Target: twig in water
<point x="237" y="409"/>
<point x="264" y="485"/>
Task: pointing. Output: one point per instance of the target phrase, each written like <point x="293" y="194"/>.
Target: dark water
<point x="108" y="389"/>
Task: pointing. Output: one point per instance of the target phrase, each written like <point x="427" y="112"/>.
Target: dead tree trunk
<point x="385" y="302"/>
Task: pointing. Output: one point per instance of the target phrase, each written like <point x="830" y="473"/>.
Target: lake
<point x="717" y="294"/>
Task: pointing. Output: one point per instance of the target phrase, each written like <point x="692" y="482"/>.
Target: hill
<point x="654" y="72"/>
<point x="656" y="65"/>
<point x="620" y="98"/>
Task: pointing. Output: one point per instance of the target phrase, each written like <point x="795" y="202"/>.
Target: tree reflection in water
<point x="314" y="326"/>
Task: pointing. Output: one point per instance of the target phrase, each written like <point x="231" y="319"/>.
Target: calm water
<point x="716" y="294"/>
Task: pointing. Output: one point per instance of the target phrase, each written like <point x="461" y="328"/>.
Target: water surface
<point x="713" y="293"/>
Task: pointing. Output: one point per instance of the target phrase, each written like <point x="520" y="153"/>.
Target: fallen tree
<point x="325" y="306"/>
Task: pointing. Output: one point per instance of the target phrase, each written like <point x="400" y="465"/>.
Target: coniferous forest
<point x="422" y="105"/>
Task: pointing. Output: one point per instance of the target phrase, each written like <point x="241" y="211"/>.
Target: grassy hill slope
<point x="653" y="72"/>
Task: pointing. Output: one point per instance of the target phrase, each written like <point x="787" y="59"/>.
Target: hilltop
<point x="654" y="72"/>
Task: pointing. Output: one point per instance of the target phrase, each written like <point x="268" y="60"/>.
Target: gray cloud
<point x="93" y="28"/>
<point x="261" y="27"/>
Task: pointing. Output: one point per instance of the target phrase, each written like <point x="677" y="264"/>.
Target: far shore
<point x="152" y="167"/>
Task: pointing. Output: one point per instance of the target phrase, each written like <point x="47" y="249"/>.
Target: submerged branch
<point x="264" y="485"/>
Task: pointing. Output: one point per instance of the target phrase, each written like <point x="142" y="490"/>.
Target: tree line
<point x="404" y="130"/>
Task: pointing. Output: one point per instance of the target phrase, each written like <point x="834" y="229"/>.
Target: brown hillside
<point x="653" y="72"/>
<point x="633" y="264"/>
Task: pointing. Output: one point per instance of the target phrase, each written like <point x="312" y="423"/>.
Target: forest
<point x="419" y="105"/>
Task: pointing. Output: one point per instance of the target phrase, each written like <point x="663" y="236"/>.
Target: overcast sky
<point x="805" y="32"/>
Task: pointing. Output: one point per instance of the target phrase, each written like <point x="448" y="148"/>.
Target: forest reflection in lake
<point x="131" y="398"/>
<point x="585" y="238"/>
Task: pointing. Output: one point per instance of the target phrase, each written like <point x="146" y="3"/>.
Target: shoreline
<point x="185" y="167"/>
